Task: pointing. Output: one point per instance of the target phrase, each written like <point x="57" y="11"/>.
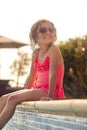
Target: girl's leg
<point x="4" y="98"/>
<point x="14" y="99"/>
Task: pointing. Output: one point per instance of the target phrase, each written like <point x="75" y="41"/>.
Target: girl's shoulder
<point x="54" y="50"/>
<point x="55" y="54"/>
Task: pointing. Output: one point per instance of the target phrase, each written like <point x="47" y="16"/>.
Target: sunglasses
<point x="44" y="29"/>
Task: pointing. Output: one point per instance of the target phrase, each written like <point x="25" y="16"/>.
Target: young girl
<point x="46" y="73"/>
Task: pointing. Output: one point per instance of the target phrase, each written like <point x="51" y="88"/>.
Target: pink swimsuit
<point x="43" y="77"/>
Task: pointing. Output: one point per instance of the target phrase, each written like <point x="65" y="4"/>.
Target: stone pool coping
<point x="73" y="107"/>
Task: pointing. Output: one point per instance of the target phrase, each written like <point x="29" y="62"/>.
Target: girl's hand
<point x="46" y="99"/>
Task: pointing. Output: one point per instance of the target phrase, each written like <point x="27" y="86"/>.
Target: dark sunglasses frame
<point x="44" y="29"/>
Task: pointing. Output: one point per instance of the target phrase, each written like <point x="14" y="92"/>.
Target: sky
<point x="17" y="17"/>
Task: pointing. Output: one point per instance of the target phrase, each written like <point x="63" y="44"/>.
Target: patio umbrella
<point x="9" y="43"/>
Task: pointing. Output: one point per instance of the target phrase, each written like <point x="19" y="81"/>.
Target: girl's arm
<point x="55" y="60"/>
<point x="32" y="76"/>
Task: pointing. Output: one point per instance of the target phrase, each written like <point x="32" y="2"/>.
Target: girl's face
<point x="46" y="34"/>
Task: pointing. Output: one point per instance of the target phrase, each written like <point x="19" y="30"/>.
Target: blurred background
<point x="69" y="17"/>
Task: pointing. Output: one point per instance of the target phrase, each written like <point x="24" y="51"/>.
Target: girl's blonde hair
<point x="33" y="31"/>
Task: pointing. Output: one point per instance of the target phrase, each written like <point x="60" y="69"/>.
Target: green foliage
<point x="75" y="78"/>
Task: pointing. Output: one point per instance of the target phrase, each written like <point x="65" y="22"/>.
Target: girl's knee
<point x="12" y="99"/>
<point x="3" y="98"/>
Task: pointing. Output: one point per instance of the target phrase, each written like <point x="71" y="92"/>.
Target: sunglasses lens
<point x="51" y="29"/>
<point x="43" y="30"/>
